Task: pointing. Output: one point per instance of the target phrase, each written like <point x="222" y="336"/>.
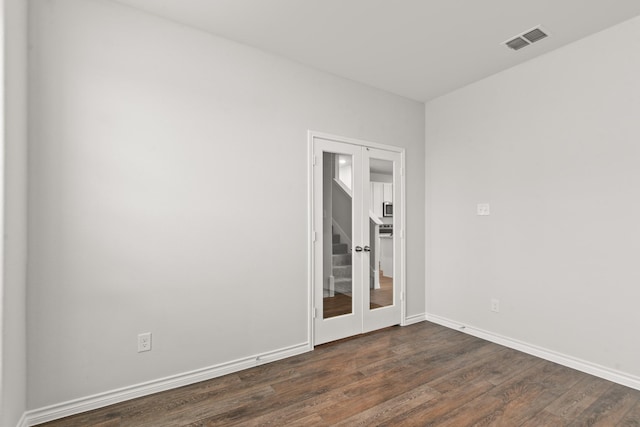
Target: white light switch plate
<point x="483" y="209"/>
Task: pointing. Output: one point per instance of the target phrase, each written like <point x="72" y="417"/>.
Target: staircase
<point x="341" y="267"/>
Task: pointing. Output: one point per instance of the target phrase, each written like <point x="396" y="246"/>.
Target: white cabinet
<point x="376" y="199"/>
<point x="380" y="192"/>
<point x="386" y="256"/>
<point x="387" y="192"/>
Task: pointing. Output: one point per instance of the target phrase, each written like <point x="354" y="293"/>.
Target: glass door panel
<point x="337" y="293"/>
<point x="381" y="284"/>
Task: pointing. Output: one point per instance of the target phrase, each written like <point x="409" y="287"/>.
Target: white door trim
<point x="311" y="136"/>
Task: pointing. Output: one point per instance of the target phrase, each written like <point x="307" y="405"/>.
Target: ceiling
<point x="419" y="49"/>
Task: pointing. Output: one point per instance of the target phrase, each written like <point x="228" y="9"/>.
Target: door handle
<point x="358" y="248"/>
<point x="367" y="249"/>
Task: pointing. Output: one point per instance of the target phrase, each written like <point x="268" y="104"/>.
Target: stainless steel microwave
<point x="387" y="209"/>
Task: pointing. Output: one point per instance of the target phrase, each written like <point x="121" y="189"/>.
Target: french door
<point x="357" y="249"/>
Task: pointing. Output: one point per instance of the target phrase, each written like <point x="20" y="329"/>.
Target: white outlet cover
<point x="484" y="209"/>
<point x="144" y="342"/>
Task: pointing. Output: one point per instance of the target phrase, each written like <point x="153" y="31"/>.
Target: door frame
<point x="312" y="136"/>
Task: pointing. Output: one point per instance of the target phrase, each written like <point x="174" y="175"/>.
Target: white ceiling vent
<point x="526" y="38"/>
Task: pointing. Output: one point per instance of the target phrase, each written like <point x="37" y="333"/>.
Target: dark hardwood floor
<point x="340" y="304"/>
<point x="384" y="296"/>
<point x="419" y="375"/>
<point x="337" y="305"/>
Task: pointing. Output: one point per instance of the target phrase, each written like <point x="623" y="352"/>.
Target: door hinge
<point x="313" y="236"/>
<point x="315" y="312"/>
<point x="313" y="161"/>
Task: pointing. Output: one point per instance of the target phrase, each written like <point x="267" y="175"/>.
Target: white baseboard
<point x="550" y="355"/>
<point x="22" y="422"/>
<point x="76" y="406"/>
<point x="416" y="318"/>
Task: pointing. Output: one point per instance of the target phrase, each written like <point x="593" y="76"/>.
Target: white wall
<point x="13" y="365"/>
<point x="553" y="146"/>
<point x="136" y="126"/>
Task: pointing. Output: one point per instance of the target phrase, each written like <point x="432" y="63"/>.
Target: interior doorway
<point x="357" y="247"/>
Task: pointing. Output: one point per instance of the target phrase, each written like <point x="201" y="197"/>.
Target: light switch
<point x="483" y="209"/>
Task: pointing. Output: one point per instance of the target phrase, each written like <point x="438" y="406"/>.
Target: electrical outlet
<point x="144" y="342"/>
<point x="495" y="305"/>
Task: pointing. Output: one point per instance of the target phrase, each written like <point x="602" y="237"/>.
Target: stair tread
<point x="342" y="271"/>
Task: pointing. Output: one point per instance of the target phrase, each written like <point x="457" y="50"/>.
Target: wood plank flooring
<point x="340" y="304"/>
<point x="419" y="375"/>
<point x="382" y="297"/>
